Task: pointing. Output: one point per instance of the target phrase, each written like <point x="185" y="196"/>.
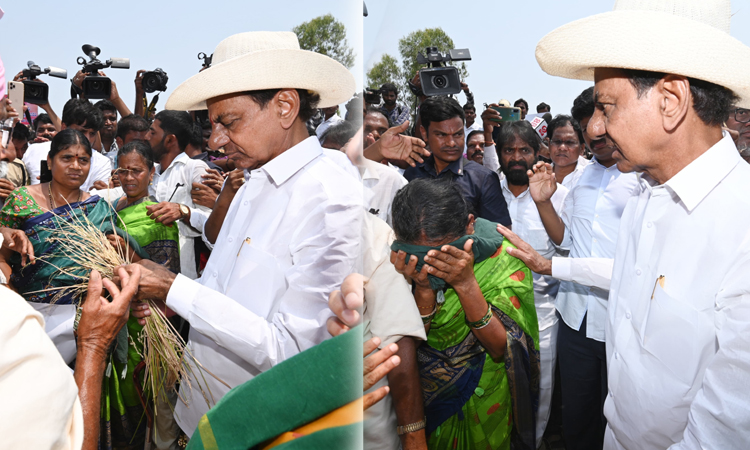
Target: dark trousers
<point x="583" y="383"/>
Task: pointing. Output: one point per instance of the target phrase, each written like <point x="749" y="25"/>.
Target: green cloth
<point x="162" y="243"/>
<point x="291" y="394"/>
<point x="486" y="242"/>
<point x="494" y="407"/>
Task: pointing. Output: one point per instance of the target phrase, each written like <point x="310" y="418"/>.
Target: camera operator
<point x="442" y="126"/>
<point x="114" y="95"/>
<point x="395" y="112"/>
<point x="47" y="107"/>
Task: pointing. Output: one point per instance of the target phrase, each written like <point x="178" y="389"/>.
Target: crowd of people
<point x="550" y="281"/>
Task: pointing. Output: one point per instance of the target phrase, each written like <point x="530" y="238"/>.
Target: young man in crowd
<point x="518" y="146"/>
<point x="395" y="112"/>
<point x="330" y="118"/>
<point x="542" y="108"/>
<point x="442" y="127"/>
<point x="109" y="129"/>
<point x="475" y="146"/>
<point x="44" y="129"/>
<point x="523" y="105"/>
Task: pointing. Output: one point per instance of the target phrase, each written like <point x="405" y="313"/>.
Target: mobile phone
<point x="15" y="94"/>
<point x="508" y="114"/>
<point x="45" y="176"/>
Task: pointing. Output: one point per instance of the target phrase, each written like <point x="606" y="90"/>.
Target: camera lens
<point x="96" y="86"/>
<point x="440" y="81"/>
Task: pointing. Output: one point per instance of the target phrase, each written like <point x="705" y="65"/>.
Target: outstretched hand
<point x="394" y="145"/>
<point x="376" y="366"/>
<point x="17" y="241"/>
<point x="526" y="253"/>
<point x="542" y="182"/>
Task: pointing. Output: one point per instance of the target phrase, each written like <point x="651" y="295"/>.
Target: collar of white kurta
<point x="683" y="37"/>
<point x="504" y="185"/>
<point x="179" y="159"/>
<point x="693" y="183"/>
<point x="291" y="161"/>
<point x="369" y="170"/>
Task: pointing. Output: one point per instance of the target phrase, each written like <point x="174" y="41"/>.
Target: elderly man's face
<point x="251" y="135"/>
<point x="628" y="124"/>
<point x="743" y="128"/>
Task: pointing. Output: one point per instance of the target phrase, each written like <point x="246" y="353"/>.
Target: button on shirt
<point x="480" y="186"/>
<point x="380" y="186"/>
<point x="527" y="224"/>
<point x="290" y="237"/>
<point x="174" y="185"/>
<point x="678" y="338"/>
<point x="591" y="215"/>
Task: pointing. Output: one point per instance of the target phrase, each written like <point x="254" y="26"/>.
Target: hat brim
<point x="268" y="69"/>
<point x="647" y="40"/>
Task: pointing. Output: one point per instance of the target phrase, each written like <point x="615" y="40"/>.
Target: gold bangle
<point x="412" y="427"/>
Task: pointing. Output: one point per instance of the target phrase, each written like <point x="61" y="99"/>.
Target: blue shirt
<point x="480" y="186"/>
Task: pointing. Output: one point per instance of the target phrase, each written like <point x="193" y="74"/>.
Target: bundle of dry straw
<point x="164" y="351"/>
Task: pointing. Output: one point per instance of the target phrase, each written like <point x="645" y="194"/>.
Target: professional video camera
<point x="36" y="92"/>
<point x="439" y="78"/>
<point x="94" y="85"/>
<point x="206" y="59"/>
<point x="372" y="96"/>
<point x="155" y="81"/>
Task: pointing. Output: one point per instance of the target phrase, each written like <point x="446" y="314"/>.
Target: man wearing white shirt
<point x="331" y="118"/>
<point x="519" y="146"/>
<point x="173" y="180"/>
<point x="292" y="231"/>
<point x="679" y="309"/>
<point x="82" y="116"/>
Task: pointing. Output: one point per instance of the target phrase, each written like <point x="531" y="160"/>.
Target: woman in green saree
<point x="479" y="367"/>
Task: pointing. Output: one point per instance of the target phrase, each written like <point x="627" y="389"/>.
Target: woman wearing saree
<point x="40" y="210"/>
<point x="479" y="367"/>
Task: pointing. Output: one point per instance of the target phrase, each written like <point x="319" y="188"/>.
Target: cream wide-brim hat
<point x="259" y="60"/>
<point x="682" y="37"/>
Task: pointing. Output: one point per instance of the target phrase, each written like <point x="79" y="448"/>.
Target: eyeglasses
<point x="560" y="143"/>
<point x="742" y="115"/>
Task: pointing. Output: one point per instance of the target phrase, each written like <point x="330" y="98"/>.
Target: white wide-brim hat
<point x="259" y="60"/>
<point x="682" y="37"/>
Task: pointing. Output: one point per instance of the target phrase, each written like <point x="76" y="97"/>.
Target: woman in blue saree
<point x="39" y="210"/>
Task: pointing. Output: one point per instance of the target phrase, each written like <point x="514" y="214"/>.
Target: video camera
<point x="155" y="81"/>
<point x="36" y="92"/>
<point x="439" y="78"/>
<point x="372" y="96"/>
<point x="206" y="59"/>
<point x="96" y="86"/>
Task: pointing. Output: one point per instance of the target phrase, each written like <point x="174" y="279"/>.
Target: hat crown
<point x="716" y="13"/>
<point x="254" y="41"/>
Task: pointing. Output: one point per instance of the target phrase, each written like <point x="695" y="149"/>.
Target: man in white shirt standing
<point x="519" y="145"/>
<point x="173" y="180"/>
<point x="331" y="117"/>
<point x="79" y="115"/>
<point x="678" y="331"/>
<point x="292" y="231"/>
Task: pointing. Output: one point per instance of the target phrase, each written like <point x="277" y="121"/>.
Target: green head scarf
<point x="486" y="242"/>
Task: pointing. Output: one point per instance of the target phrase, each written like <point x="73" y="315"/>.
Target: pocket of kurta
<point x="256" y="281"/>
<point x="679" y="336"/>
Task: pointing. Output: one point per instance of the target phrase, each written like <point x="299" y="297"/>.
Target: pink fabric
<point x="2" y="79"/>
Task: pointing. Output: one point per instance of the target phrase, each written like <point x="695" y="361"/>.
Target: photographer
<point x="109" y="129"/>
<point x="114" y="95"/>
<point x="50" y="112"/>
<point x="395" y="112"/>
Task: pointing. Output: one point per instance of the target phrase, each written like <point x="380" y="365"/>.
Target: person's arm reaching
<point x="394" y="145"/>
<point x="233" y="183"/>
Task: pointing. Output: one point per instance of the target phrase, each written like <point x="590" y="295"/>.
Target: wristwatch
<point x="184" y="210"/>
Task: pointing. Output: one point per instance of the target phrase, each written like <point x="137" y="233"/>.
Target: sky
<point x="501" y="36"/>
<point x="152" y="34"/>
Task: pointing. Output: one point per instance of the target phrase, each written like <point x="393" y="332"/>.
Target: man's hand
<point x="453" y="265"/>
<point x="6" y="187"/>
<point x="533" y="260"/>
<point x="542" y="182"/>
<point x="155" y="281"/>
<point x="213" y="179"/>
<point x="17" y="241"/>
<point x="101" y="320"/>
<point x="164" y="212"/>
<point x="6" y="110"/>
<point x="464" y="87"/>
<point x="203" y="195"/>
<point x="376" y="366"/>
<point x="139" y="80"/>
<point x="99" y="184"/>
<point x="345" y="303"/>
<point x="234" y="181"/>
<point x="490" y="119"/>
<point x="394" y="145"/>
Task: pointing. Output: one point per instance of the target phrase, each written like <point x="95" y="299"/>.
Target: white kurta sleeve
<point x="591" y="272"/>
<point x="491" y="161"/>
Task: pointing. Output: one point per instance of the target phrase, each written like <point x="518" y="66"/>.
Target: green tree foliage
<point x="385" y="71"/>
<point x="327" y="36"/>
